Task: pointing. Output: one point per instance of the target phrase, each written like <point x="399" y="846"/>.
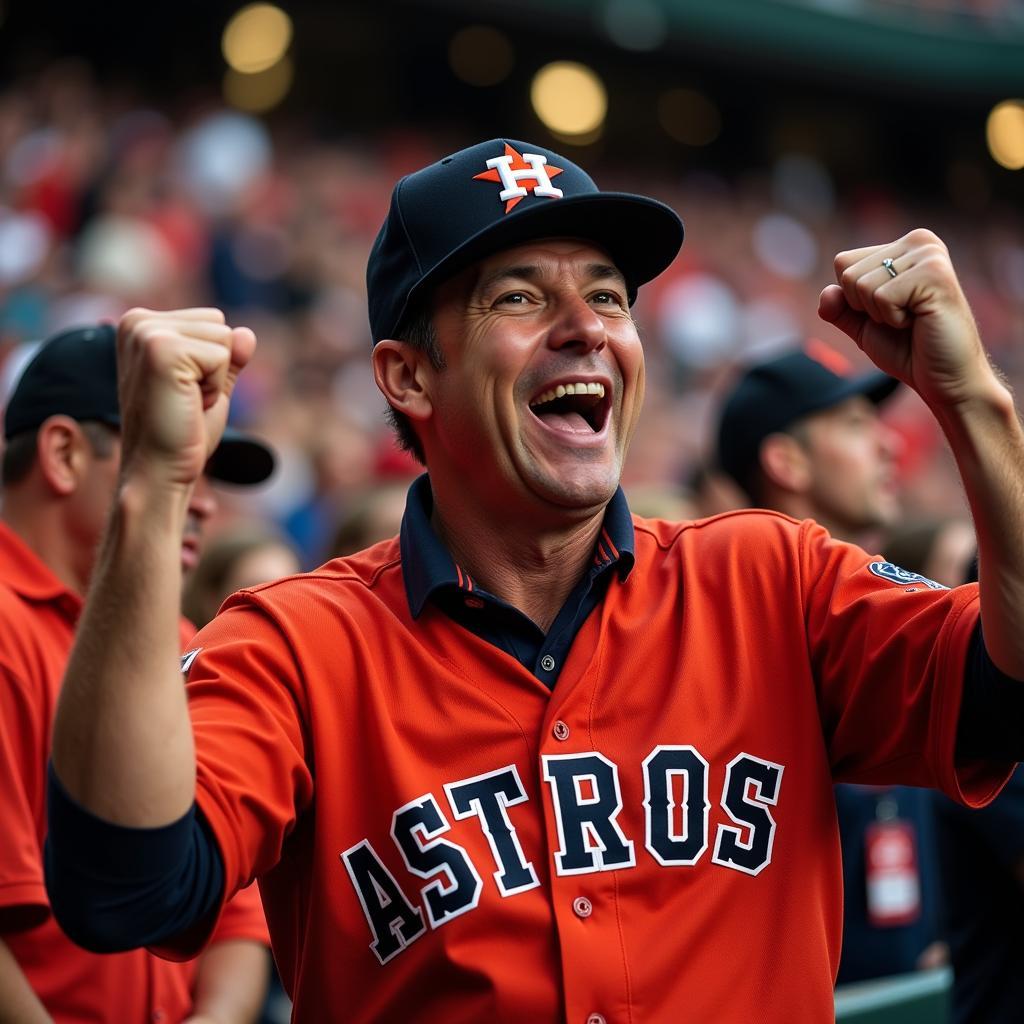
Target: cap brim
<point x="240" y="459"/>
<point x="876" y="387"/>
<point x="642" y="236"/>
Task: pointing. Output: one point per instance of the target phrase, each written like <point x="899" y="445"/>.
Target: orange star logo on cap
<point x="519" y="174"/>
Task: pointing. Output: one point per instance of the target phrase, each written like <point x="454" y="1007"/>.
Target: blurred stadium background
<point x="243" y="156"/>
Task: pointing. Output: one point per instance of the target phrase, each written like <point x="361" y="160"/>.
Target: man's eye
<point x="513" y="299"/>
<point x="605" y="298"/>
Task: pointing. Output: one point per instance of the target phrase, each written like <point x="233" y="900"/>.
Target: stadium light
<point x="570" y="100"/>
<point x="1004" y="132"/>
<point x="256" y="38"/>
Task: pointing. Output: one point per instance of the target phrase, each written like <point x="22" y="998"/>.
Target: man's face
<point x="95" y="495"/>
<point x="202" y="505"/>
<point x="852" y="459"/>
<point x="544" y="378"/>
<point x="95" y="492"/>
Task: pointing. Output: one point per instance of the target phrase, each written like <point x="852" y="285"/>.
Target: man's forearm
<point x="985" y="435"/>
<point x="18" y="1002"/>
<point x="122" y="737"/>
<point x="232" y="983"/>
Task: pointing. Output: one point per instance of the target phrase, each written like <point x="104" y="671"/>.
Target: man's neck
<point x="534" y="571"/>
<point x="43" y="532"/>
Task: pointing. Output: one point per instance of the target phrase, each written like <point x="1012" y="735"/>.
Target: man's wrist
<point x="986" y="405"/>
<point x="153" y="498"/>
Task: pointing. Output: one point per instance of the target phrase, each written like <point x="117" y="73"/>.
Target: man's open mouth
<point x="575" y="406"/>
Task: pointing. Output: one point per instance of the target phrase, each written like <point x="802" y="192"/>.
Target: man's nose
<point x="890" y="441"/>
<point x="577" y="325"/>
<point x="203" y="504"/>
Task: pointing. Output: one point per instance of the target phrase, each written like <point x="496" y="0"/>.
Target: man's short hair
<point x="418" y="331"/>
<point x="20" y="451"/>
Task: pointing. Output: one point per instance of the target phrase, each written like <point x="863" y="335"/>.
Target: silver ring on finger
<point x="887" y="263"/>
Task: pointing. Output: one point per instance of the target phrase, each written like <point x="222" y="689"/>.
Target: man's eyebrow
<point x="597" y="271"/>
<point x="532" y="272"/>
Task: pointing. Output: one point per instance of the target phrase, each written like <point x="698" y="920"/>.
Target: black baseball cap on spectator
<point x="498" y="194"/>
<point x="74" y="373"/>
<point x="773" y="395"/>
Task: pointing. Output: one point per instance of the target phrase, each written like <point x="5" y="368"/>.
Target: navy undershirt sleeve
<point x="991" y="724"/>
<point x="114" y="888"/>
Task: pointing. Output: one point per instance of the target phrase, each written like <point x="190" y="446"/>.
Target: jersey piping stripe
<point x="611" y="547"/>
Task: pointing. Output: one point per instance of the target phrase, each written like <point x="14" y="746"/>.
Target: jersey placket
<point x="586" y="847"/>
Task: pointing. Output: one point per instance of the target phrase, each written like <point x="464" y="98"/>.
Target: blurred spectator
<point x="244" y="557"/>
<point x="799" y="433"/>
<point x="713" y="492"/>
<point x="374" y="515"/>
<point x="660" y="502"/>
<point x="60" y="470"/>
<point x="982" y="862"/>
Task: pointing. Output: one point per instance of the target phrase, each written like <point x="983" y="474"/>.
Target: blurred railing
<point x="919" y="998"/>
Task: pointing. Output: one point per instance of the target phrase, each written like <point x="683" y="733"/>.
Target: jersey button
<point x="547" y="663"/>
<point x="596" y="1018"/>
<point x="560" y="730"/>
<point x="582" y="907"/>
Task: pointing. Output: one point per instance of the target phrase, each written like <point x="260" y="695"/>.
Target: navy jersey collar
<point x="427" y="566"/>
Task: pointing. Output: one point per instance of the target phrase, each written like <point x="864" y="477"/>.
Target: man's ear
<point x="402" y="373"/>
<point x="784" y="463"/>
<point x="61" y="453"/>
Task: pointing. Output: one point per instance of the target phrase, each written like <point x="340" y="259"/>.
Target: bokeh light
<point x="1004" y="132"/>
<point x="689" y="117"/>
<point x="260" y="92"/>
<point x="256" y="38"/>
<point x="481" y="55"/>
<point x="569" y="98"/>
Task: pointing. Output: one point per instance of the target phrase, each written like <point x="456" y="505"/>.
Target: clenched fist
<point x="176" y="372"/>
<point x="902" y="304"/>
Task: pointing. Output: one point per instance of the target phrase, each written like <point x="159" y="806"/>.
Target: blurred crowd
<point x="106" y="204"/>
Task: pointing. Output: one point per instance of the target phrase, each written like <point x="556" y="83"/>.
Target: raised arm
<point x="122" y="743"/>
<point x="903" y="305"/>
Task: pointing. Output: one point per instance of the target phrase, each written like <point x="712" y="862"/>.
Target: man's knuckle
<point x="923" y="237"/>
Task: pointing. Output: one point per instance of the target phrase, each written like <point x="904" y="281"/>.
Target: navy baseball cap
<point x="772" y="395"/>
<point x="74" y="374"/>
<point x="499" y="194"/>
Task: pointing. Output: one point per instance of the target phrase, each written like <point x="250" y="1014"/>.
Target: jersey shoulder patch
<point x="187" y="658"/>
<point x="901" y="577"/>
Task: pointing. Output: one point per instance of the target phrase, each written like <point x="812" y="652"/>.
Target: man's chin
<point x="582" y="493"/>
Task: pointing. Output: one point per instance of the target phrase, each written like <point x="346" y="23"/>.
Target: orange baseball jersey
<point x="38" y="615"/>
<point x="442" y="838"/>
